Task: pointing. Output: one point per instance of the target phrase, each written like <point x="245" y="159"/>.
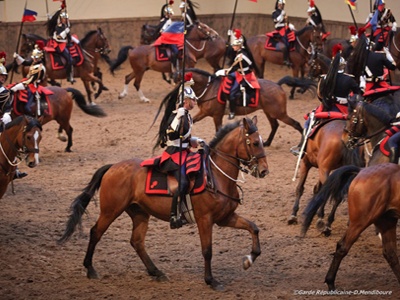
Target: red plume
<point x="312" y="4"/>
<point x="361" y="31"/>
<point x="238" y="33"/>
<point x="337" y="48"/>
<point x="3" y="55"/>
<point x="40" y="44"/>
<point x="188" y="76"/>
<point x="63" y="5"/>
<point x="171" y="2"/>
<point x="353" y="30"/>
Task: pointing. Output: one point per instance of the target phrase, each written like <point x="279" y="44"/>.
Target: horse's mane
<point x="18" y="120"/>
<point x="201" y="72"/>
<point x="384" y="109"/>
<point x="87" y="36"/>
<point x="306" y="28"/>
<point x="223" y="131"/>
<point x="35" y="37"/>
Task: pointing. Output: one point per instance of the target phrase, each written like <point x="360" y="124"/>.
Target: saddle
<point x="163" y="53"/>
<point x="275" y="37"/>
<point x="383" y="146"/>
<point x="57" y="61"/>
<point x="25" y="101"/>
<point x="323" y="117"/>
<point x="250" y="84"/>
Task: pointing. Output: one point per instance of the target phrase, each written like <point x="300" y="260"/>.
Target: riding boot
<point x="174" y="220"/>
<point x="70" y="73"/>
<point x="232" y="107"/>
<point x="18" y="174"/>
<point x="394" y="155"/>
<point x="296" y="149"/>
<point x="286" y="57"/>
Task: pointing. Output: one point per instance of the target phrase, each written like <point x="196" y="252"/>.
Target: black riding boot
<point x="70" y="73"/>
<point x="296" y="149"/>
<point x="394" y="155"/>
<point x="286" y="57"/>
<point x="18" y="174"/>
<point x="174" y="220"/>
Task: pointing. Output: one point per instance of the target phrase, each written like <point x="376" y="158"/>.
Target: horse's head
<point x="101" y="44"/>
<point x="28" y="42"/>
<point x="203" y="32"/>
<point x="28" y="134"/>
<point x="148" y="34"/>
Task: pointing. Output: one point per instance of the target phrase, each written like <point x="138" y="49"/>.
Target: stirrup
<point x="231" y="116"/>
<point x="18" y="174"/>
<point x="175" y="222"/>
<point x="296" y="151"/>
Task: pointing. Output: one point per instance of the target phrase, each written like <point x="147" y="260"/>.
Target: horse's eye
<point x="256" y="144"/>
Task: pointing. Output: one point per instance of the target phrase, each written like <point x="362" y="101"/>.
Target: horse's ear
<point x="246" y="124"/>
<point x="254" y="119"/>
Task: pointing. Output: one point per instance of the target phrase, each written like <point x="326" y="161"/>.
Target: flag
<point x="29" y="15"/>
<point x="352" y="4"/>
<point x="174" y="34"/>
<point x="253" y="0"/>
<point x="374" y="20"/>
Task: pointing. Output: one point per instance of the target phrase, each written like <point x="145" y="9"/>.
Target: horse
<point x="308" y="40"/>
<point x="366" y="123"/>
<point x="327" y="151"/>
<point x="94" y="44"/>
<point x="319" y="65"/>
<point x="19" y="140"/>
<point x="272" y="100"/>
<point x="149" y="33"/>
<point x="328" y="45"/>
<point x="201" y="42"/>
<point x="122" y="189"/>
<point x="61" y="103"/>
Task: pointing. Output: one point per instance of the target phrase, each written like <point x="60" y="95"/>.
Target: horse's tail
<point x="122" y="56"/>
<point x="107" y="59"/>
<point x="303" y="83"/>
<point x="336" y="187"/>
<point x="78" y="206"/>
<point x="93" y="110"/>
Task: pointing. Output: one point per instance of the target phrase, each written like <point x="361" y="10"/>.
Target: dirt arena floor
<point x="34" y="266"/>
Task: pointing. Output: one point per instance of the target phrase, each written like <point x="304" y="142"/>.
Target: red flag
<point x="253" y="0"/>
<point x="29" y="15"/>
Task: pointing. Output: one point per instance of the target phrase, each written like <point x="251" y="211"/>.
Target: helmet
<point x="280" y="2"/>
<point x="168" y="10"/>
<point x="237" y="38"/>
<point x="63" y="15"/>
<point x="37" y="52"/>
<point x="189" y="93"/>
<point x="3" y="70"/>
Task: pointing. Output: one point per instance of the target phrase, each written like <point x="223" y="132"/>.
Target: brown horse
<point x="122" y="189"/>
<point x="327" y="151"/>
<point x="95" y="46"/>
<point x="201" y="42"/>
<point x="394" y="48"/>
<point x="308" y="40"/>
<point x="19" y="140"/>
<point x="367" y="123"/>
<point x="61" y="103"/>
<point x="272" y="101"/>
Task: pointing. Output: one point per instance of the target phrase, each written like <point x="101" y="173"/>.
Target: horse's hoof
<point x="320" y="224"/>
<point x="162" y="278"/>
<point x="96" y="95"/>
<point x="292" y="220"/>
<point x="105" y="88"/>
<point x="327" y="231"/>
<point x="145" y="100"/>
<point x="62" y="138"/>
<point x="122" y="95"/>
<point x="247" y="262"/>
<point x="92" y="274"/>
<point x="216" y="286"/>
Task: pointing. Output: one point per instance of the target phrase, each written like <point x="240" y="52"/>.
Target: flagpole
<point x="19" y="39"/>
<point x="352" y="16"/>
<point x="230" y="28"/>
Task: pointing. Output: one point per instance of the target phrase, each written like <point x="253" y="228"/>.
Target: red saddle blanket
<point x="252" y="94"/>
<point x="57" y="61"/>
<point x="384" y="144"/>
<point x="22" y="97"/>
<point x="273" y="38"/>
<point x="157" y="182"/>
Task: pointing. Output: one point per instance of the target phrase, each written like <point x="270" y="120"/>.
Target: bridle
<point x="105" y="49"/>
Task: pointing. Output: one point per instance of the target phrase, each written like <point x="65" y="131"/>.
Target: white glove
<point x="388" y="55"/>
<point x="175" y="122"/>
<point x="75" y="40"/>
<point x="221" y="72"/>
<point x="394" y="26"/>
<point x="18" y="58"/>
<point x="18" y="87"/>
<point x="197" y="142"/>
<point x="6" y="118"/>
<point x="230" y="32"/>
<point x="180" y="112"/>
<point x="363" y="83"/>
<point x="291" y="26"/>
<point x="67" y="30"/>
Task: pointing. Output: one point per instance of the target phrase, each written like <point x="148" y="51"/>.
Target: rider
<point x="282" y="27"/>
<point x="175" y="133"/>
<point x="334" y="89"/>
<point x="6" y="104"/>
<point x="58" y="27"/>
<point x="166" y="16"/>
<point x="381" y="21"/>
<point x="36" y="74"/>
<point x="241" y="67"/>
<point x="190" y="18"/>
<point x="315" y="19"/>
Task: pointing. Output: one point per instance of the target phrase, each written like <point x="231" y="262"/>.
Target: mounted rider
<point x="315" y="19"/>
<point x="283" y="30"/>
<point x="333" y="91"/>
<point x="166" y="16"/>
<point x="382" y="22"/>
<point x="59" y="28"/>
<point x="188" y="13"/>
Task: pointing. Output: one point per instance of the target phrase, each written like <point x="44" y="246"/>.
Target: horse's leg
<point x="387" y="228"/>
<point x="88" y="90"/>
<point x="274" y="127"/>
<point x="128" y="78"/>
<point x="323" y="176"/>
<point x="304" y="169"/>
<point x="138" y="80"/>
<point x="292" y="122"/>
<point x="140" y="222"/>
<point x="238" y="222"/>
<point x="60" y="135"/>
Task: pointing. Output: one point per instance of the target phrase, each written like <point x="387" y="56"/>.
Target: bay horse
<point x="94" y="45"/>
<point x="19" y="141"/>
<point x="61" y="102"/>
<point x="202" y="42"/>
<point x="327" y="151"/>
<point x="308" y="40"/>
<point x="366" y="123"/>
<point x="122" y="189"/>
<point x="272" y="101"/>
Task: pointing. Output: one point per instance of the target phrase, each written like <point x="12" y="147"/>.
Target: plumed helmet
<point x="3" y="70"/>
<point x="63" y="14"/>
<point x="189" y="93"/>
<point x="280" y="2"/>
<point x="311" y="8"/>
<point x="3" y="57"/>
<point x="182" y="5"/>
<point x="188" y="80"/>
<point x="237" y="38"/>
<point x="342" y="63"/>
<point x="38" y="50"/>
<point x="337" y="48"/>
<point x="168" y="10"/>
